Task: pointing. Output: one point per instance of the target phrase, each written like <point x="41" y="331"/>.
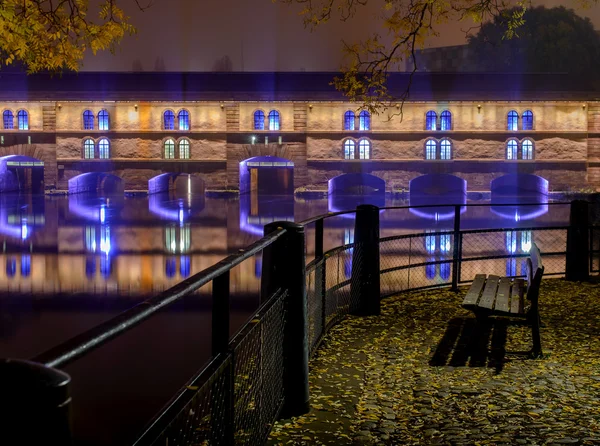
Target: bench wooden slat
<point x="489" y="293"/>
<point x="474" y="291"/>
<point x="503" y="295"/>
<point x="516" y="306"/>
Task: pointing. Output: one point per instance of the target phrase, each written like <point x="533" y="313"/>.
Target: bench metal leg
<point x="536" y="351"/>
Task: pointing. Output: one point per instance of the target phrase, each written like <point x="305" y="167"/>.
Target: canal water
<point x="70" y="263"/>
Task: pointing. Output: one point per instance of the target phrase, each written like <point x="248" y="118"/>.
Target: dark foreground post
<point x="456" y="255"/>
<point x="365" y="282"/>
<point x="35" y="404"/>
<point x="284" y="267"/>
<point x="577" y="262"/>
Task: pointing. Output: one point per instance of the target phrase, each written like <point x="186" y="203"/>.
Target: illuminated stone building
<point x="250" y="131"/>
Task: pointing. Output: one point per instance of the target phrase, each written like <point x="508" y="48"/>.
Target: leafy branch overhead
<point x="404" y="27"/>
<point x="54" y="35"/>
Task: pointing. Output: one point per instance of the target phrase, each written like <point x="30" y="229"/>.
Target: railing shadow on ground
<point x="261" y="373"/>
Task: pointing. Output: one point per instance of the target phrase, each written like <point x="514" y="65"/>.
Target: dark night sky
<point x="190" y="35"/>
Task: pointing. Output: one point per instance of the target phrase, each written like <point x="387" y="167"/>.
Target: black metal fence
<point x="261" y="373"/>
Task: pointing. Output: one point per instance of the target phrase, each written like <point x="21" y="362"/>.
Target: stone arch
<point x="437" y="185"/>
<point x="519" y="184"/>
<point x="21" y="173"/>
<point x="180" y="183"/>
<point x="356" y="184"/>
<point x="429" y="193"/>
<point x="99" y="182"/>
<point x="45" y="153"/>
<point x="269" y="175"/>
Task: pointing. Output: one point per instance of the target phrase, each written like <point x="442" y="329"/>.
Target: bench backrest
<point x="535" y="271"/>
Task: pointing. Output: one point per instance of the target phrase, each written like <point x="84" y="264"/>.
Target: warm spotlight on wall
<point x="397" y="106"/>
<point x="478" y="108"/>
<point x="310" y="107"/>
<point x="135" y="106"/>
<point x="583" y="106"/>
<point x="222" y="106"/>
<point x="59" y="106"/>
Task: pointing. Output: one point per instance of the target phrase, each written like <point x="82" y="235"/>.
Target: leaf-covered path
<point x="423" y="373"/>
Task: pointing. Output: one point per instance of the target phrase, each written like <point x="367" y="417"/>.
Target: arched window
<point x="88" y="148"/>
<point x="431" y="120"/>
<point x="25" y="265"/>
<point x="364" y="149"/>
<point x="364" y="120"/>
<point x="259" y="120"/>
<point x="9" y="120"/>
<point x="527" y="120"/>
<point x="273" y="120"/>
<point x="23" y="120"/>
<point x="103" y="123"/>
<point x="446" y="149"/>
<point x="88" y="120"/>
<point x="513" y="121"/>
<point x="169" y="149"/>
<point x="183" y="117"/>
<point x="430" y="149"/>
<point x="511" y="149"/>
<point x="184" y="266"/>
<point x="169" y="120"/>
<point x="104" y="149"/>
<point x="184" y="149"/>
<point x="446" y="120"/>
<point x="349" y="146"/>
<point x="527" y="149"/>
<point x="349" y="118"/>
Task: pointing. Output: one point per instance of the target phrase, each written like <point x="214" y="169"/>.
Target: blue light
<point x="517" y="217"/>
<point x="24" y="230"/>
<point x="105" y="244"/>
<point x="180" y="215"/>
<point x="102" y="213"/>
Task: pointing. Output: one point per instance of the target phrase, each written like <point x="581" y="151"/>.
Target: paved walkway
<point x="423" y="374"/>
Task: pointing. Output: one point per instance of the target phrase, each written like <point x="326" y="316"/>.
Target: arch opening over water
<point x="96" y="182"/>
<point x="434" y="190"/>
<point x="269" y="175"/>
<point x="21" y="173"/>
<point x="519" y="184"/>
<point x="180" y="183"/>
<point x="517" y="197"/>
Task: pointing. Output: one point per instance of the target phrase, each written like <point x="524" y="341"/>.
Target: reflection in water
<point x="517" y="242"/>
<point x="439" y="247"/>
<point x="521" y="208"/>
<point x="256" y="211"/>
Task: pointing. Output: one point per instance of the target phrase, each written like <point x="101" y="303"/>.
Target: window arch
<point x="9" y="120"/>
<point x="104" y="149"/>
<point x="364" y="149"/>
<point x="446" y="120"/>
<point x="169" y="120"/>
<point x="259" y="120"/>
<point x="23" y="120"/>
<point x="527" y="121"/>
<point x="169" y="149"/>
<point x="349" y="149"/>
<point x="184" y="149"/>
<point x="445" y="149"/>
<point x="511" y="149"/>
<point x="103" y="121"/>
<point x="431" y="120"/>
<point x="274" y="120"/>
<point x="431" y="149"/>
<point x="364" y="120"/>
<point x="183" y="120"/>
<point x="88" y="120"/>
<point x="513" y="121"/>
<point x="527" y="149"/>
<point x="89" y="148"/>
<point x="349" y="120"/>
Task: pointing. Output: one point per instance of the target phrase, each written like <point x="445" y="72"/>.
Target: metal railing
<point x="261" y="373"/>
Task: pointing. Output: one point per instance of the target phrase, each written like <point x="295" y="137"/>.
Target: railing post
<point x="285" y="268"/>
<point x="365" y="281"/>
<point x="456" y="254"/>
<point x="35" y="403"/>
<point x="577" y="268"/>
<point x="321" y="273"/>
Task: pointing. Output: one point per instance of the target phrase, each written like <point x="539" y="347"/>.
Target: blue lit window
<point x="511" y="242"/>
<point x="348" y="236"/>
<point x="273" y="120"/>
<point x="259" y="120"/>
<point x="169" y="120"/>
<point x="9" y="120"/>
<point x="88" y="148"/>
<point x="430" y="243"/>
<point x="88" y="120"/>
<point x="11" y="266"/>
<point x="527" y="120"/>
<point x="511" y="267"/>
<point x="90" y="266"/>
<point x="103" y="123"/>
<point x="169" y="149"/>
<point x="430" y="270"/>
<point x="349" y="119"/>
<point x="349" y="146"/>
<point x="364" y="120"/>
<point x="446" y="149"/>
<point x="445" y="243"/>
<point x="23" y="120"/>
<point x="445" y="271"/>
<point x="170" y="239"/>
<point x="25" y="265"/>
<point x="184" y="266"/>
<point x="431" y="120"/>
<point x="105" y="243"/>
<point x="511" y="149"/>
<point x="170" y="267"/>
<point x="258" y="266"/>
<point x="526" y="241"/>
<point x="364" y="149"/>
<point x="513" y="121"/>
<point x="90" y="238"/>
<point x="527" y="149"/>
<point x="104" y="149"/>
<point x="348" y="267"/>
<point x="105" y="266"/>
<point x="430" y="149"/>
<point x="446" y="120"/>
<point x="185" y="238"/>
<point x="183" y="117"/>
<point x="184" y="149"/>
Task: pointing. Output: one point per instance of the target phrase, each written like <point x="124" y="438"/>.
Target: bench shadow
<point x="466" y="342"/>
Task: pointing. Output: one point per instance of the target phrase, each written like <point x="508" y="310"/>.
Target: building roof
<point x="283" y="86"/>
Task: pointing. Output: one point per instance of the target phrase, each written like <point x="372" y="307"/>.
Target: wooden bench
<point x="502" y="296"/>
